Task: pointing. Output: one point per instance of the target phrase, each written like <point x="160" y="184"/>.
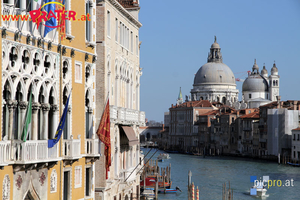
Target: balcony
<point x="125" y="174"/>
<point x="5" y="149"/>
<point x="71" y="149"/>
<point x="92" y="150"/>
<point x="127" y="116"/>
<point x="28" y="155"/>
<point x="33" y="151"/>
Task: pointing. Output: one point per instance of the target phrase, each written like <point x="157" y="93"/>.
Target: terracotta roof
<point x="270" y="105"/>
<point x="213" y="112"/>
<point x="201" y="103"/>
<point x="296" y="129"/>
<point x="253" y="115"/>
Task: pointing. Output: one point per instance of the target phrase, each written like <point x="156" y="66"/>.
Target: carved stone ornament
<point x="3" y="33"/>
<point x="19" y="182"/>
<point x="54" y="107"/>
<point x="45" y="106"/>
<point x="6" y="188"/>
<point x="72" y="53"/>
<point x="28" y="39"/>
<point x="64" y="51"/>
<point x="23" y="105"/>
<point x="53" y="181"/>
<point x="42" y="178"/>
<point x="94" y="59"/>
<point x="49" y="45"/>
<point x="86" y="57"/>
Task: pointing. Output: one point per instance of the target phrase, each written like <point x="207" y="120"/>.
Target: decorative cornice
<point x="125" y="12"/>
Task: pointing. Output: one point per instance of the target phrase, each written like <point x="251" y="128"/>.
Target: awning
<point x="130" y="135"/>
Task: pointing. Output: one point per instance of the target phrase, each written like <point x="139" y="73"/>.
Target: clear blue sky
<point x="176" y="37"/>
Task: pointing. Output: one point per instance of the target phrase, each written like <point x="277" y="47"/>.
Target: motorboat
<point x="168" y="191"/>
<point x="163" y="156"/>
<point x="148" y="194"/>
<point x="151" y="182"/>
<point x="260" y="190"/>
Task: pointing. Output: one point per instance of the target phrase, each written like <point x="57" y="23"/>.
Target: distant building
<point x="215" y="81"/>
<point x="258" y="88"/>
<point x="249" y="141"/>
<point x="296" y="144"/>
<point x="183" y="132"/>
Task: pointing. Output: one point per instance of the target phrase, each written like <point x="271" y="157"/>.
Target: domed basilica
<point x="215" y="81"/>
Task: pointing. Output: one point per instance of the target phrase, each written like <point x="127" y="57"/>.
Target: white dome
<point x="214" y="73"/>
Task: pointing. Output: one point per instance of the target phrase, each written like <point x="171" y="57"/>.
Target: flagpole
<point x="60" y="110"/>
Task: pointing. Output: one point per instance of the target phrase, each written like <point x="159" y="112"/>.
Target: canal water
<point x="210" y="173"/>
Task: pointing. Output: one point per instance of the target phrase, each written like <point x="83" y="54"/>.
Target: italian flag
<point x="27" y="123"/>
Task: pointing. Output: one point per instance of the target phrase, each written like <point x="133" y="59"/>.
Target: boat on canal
<point x="163" y="156"/>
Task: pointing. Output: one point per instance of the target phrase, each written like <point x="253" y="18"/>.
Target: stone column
<point x="35" y="109"/>
<point x="23" y="107"/>
<point x="55" y="119"/>
<point x="12" y="104"/>
<point x="45" y="108"/>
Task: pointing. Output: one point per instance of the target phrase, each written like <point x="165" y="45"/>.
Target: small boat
<point x="148" y="194"/>
<point x="260" y="190"/>
<point x="150" y="182"/>
<point x="163" y="156"/>
<point x="168" y="191"/>
<point x="293" y="164"/>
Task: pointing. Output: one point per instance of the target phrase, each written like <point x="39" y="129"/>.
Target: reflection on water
<point x="211" y="172"/>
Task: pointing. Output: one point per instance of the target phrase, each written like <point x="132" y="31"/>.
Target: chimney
<point x="163" y="127"/>
<point x="295" y="105"/>
<point x="278" y="101"/>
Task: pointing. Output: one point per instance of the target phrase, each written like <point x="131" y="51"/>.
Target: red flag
<point x="104" y="136"/>
<point x="62" y="23"/>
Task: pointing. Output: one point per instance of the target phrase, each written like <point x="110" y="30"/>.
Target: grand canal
<point x="211" y="172"/>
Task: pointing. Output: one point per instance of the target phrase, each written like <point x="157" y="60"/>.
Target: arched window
<point x="88" y="115"/>
<point x="67" y="123"/>
<point x="6" y="95"/>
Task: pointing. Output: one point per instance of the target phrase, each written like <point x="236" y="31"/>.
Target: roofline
<point x="125" y="12"/>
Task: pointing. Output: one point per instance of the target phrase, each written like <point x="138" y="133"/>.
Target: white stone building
<point x="118" y="78"/>
<point x="214" y="80"/>
<point x="259" y="88"/>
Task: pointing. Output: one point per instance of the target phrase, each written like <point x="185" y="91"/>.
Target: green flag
<point x="27" y="123"/>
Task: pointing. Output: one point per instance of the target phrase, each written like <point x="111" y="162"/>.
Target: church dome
<point x="274" y="69"/>
<point x="214" y="73"/>
<point x="255" y="83"/>
<point x="215" y="46"/>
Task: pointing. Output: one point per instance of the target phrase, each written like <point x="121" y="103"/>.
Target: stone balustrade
<point x="92" y="147"/>
<point x="127" y="116"/>
<point x="71" y="149"/>
<point x="33" y="151"/>
<point x="5" y="149"/>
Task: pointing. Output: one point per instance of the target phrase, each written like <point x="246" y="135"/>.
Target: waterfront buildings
<point x="118" y="75"/>
<point x="213" y="121"/>
<point x="183" y="130"/>
<point x="50" y="71"/>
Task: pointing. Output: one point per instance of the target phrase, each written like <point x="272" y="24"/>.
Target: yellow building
<point x="32" y="62"/>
